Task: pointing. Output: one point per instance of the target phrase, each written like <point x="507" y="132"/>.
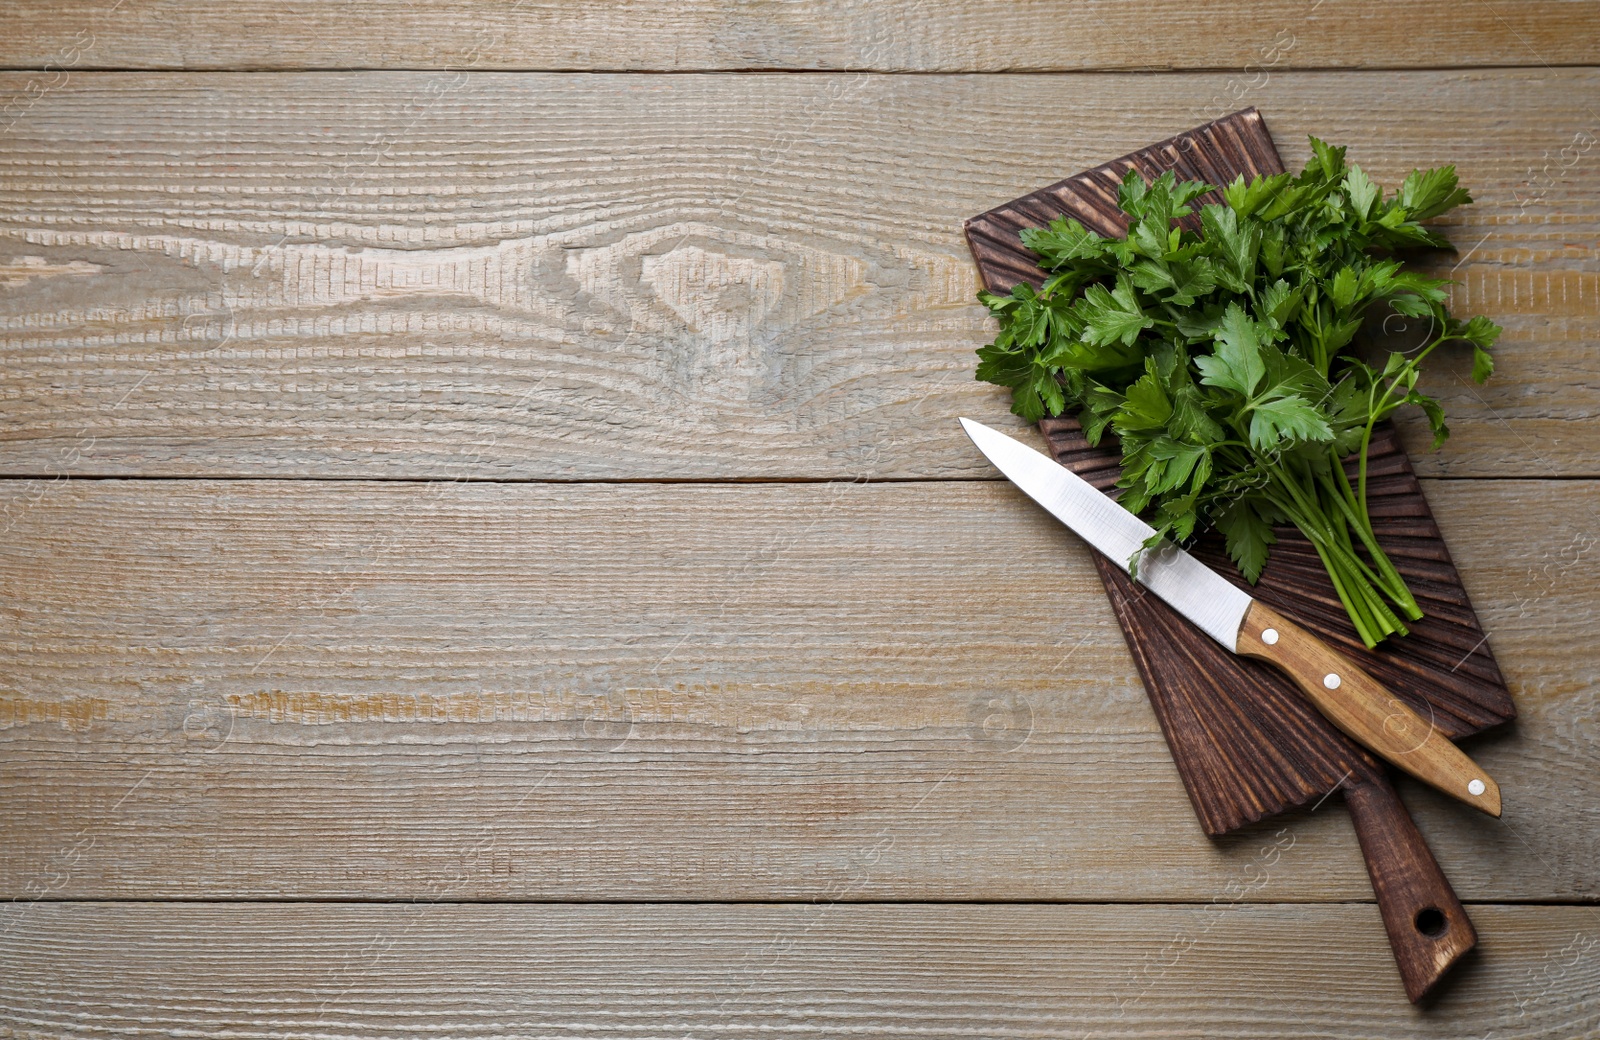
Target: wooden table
<point x="488" y="552"/>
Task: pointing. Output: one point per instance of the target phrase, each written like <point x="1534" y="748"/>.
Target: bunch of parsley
<point x="1222" y="359"/>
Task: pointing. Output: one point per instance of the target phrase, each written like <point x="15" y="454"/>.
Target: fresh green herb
<point x="1220" y="358"/>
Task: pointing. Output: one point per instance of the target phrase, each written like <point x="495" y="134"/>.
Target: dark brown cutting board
<point x="1247" y="744"/>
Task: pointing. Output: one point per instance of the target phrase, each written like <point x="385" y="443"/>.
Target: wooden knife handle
<point x="1428" y="929"/>
<point x="1360" y="706"/>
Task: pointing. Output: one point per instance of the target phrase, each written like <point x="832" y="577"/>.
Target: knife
<point x="1350" y="698"/>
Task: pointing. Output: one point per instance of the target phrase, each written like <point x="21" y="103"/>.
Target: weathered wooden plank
<point x="905" y="35"/>
<point x="776" y="691"/>
<point x="822" y="970"/>
<point x="633" y="276"/>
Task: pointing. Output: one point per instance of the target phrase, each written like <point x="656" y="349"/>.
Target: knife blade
<point x="1346" y="695"/>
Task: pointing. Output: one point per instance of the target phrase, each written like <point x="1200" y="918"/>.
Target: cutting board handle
<point x="1429" y="930"/>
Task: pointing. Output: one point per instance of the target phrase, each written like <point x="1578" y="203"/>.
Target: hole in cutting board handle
<point x="1431" y="922"/>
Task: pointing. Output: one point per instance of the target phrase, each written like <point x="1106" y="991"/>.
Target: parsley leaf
<point x="1236" y="365"/>
<point x="1112" y="316"/>
<point x="1248" y="537"/>
<point x="1064" y="241"/>
<point x="1428" y="194"/>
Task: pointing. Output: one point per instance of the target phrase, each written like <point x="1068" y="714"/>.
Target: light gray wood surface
<point x="647" y="277"/>
<point x="820" y="970"/>
<point x="293" y="689"/>
<point x="900" y="35"/>
<point x="403" y="676"/>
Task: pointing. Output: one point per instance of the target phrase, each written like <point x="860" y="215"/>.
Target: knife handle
<point x="1366" y="712"/>
<point x="1429" y="930"/>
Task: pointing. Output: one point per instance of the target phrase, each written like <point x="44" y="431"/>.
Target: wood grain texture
<point x="828" y="970"/>
<point x="546" y="276"/>
<point x="903" y="35"/>
<point x="395" y="690"/>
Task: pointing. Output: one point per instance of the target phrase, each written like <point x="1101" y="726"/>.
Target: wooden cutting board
<point x="1247" y="744"/>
